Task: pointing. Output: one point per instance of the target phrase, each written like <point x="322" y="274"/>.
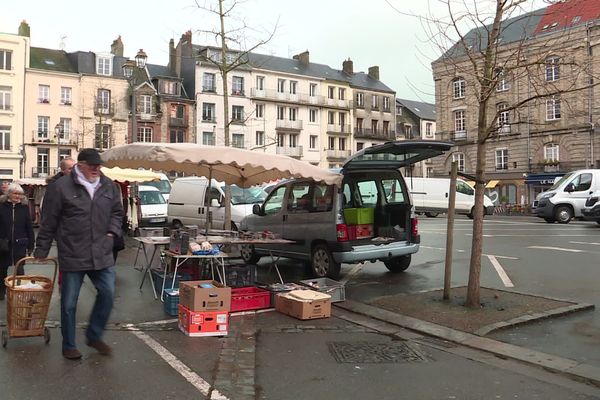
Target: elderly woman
<point x="16" y="231"/>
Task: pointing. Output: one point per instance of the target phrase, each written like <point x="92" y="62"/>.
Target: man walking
<point x="83" y="212"/>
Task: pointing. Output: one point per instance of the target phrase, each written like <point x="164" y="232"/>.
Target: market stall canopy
<point x="130" y="175"/>
<point x="227" y="164"/>
<point x="32" y="181"/>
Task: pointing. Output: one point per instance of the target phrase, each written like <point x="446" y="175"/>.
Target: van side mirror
<point x="570" y="188"/>
<point x="215" y="203"/>
<point x="256" y="209"/>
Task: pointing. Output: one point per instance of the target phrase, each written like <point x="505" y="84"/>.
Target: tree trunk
<point x="224" y="73"/>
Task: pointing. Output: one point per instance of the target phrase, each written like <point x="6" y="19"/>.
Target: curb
<point x="581" y="372"/>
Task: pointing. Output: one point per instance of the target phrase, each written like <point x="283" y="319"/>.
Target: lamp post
<point x="129" y="68"/>
<point x="58" y="134"/>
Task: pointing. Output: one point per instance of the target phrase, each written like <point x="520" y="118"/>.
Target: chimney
<point x="116" y="47"/>
<point x="303" y="57"/>
<point x="374" y="72"/>
<point x="172" y="56"/>
<point x="24" y="29"/>
<point x="348" y="66"/>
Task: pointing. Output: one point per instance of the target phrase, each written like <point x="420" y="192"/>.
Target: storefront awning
<point x="491" y="184"/>
<point x="542" y="179"/>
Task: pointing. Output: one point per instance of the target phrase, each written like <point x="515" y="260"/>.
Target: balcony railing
<point x="104" y="109"/>
<point x="373" y="133"/>
<point x="6" y="107"/>
<point x="333" y="128"/>
<point x="5" y="148"/>
<point x="289" y="151"/>
<point x="335" y="153"/>
<point x="237" y="92"/>
<point x="288" y="124"/>
<point x="179" y="122"/>
<point x="297" y="98"/>
<point x="211" y="89"/>
<point x="458" y="135"/>
<point x="43" y="172"/>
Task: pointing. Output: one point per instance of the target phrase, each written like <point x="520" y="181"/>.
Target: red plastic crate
<point x="208" y="323"/>
<point x="362" y="231"/>
<point x="249" y="298"/>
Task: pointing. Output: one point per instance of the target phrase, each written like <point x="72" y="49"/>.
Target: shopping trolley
<point x="27" y="302"/>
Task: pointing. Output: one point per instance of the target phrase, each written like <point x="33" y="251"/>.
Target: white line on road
<point x="501" y="272"/>
<point x="185" y="371"/>
<point x="595" y="244"/>
<point x="462" y="251"/>
<point x="555" y="248"/>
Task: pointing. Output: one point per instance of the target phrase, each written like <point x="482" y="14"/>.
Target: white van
<point x="430" y="196"/>
<point x="153" y="207"/>
<point x="566" y="198"/>
<point x="164" y="185"/>
<point x="189" y="200"/>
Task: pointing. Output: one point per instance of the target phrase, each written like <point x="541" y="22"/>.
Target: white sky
<point x="370" y="32"/>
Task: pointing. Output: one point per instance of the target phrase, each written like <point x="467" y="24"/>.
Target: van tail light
<point x="341" y="231"/>
<point x="414" y="223"/>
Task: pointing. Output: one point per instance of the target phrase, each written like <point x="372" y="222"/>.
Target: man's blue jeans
<point x="104" y="281"/>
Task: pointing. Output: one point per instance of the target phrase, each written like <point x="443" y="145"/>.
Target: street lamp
<point x="59" y="131"/>
<point x="129" y="68"/>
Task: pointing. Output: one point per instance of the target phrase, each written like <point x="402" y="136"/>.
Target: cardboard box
<point x="204" y="296"/>
<point x="203" y="323"/>
<point x="304" y="304"/>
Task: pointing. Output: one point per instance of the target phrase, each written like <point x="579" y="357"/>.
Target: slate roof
<point x="420" y="109"/>
<point x="292" y="66"/>
<point x="51" y="60"/>
<point x="160" y="71"/>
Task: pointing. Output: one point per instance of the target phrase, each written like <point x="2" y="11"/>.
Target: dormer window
<point x="104" y="64"/>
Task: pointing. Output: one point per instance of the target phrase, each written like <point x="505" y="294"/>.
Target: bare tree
<point x="485" y="47"/>
<point x="235" y="53"/>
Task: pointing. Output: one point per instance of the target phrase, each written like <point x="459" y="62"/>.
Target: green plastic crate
<point x="359" y="216"/>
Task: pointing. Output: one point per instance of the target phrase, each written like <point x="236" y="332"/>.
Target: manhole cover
<point x="371" y="353"/>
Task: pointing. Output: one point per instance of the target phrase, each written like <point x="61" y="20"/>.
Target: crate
<point x="328" y="286"/>
<point x="158" y="277"/>
<point x="205" y="323"/>
<point x="362" y="231"/>
<point x="249" y="298"/>
<point x="149" y="232"/>
<point x="277" y="288"/>
<point x="240" y="275"/>
<point x="171" y="301"/>
<point x="358" y="216"/>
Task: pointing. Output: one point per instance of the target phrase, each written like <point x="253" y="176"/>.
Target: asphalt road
<point x="273" y="356"/>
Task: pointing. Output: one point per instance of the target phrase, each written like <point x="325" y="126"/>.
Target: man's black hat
<point x="90" y="156"/>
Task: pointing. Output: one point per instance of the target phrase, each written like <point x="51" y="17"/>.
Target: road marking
<point x="462" y="251"/>
<point x="555" y="248"/>
<point x="595" y="244"/>
<point x="355" y="270"/>
<point x="183" y="370"/>
<point x="501" y="272"/>
<point x="440" y="248"/>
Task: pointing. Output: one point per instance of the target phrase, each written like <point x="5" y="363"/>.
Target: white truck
<point x="430" y="196"/>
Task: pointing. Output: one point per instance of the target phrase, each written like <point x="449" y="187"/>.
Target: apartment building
<point x="285" y="106"/>
<point x="416" y="120"/>
<point x="14" y="56"/>
<point x="550" y="54"/>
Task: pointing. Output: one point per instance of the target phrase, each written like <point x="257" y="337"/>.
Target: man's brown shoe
<point x="71" y="354"/>
<point x="100" y="346"/>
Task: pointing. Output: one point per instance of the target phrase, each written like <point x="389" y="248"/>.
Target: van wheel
<point x="549" y="220"/>
<point x="248" y="254"/>
<point x="398" y="264"/>
<point x="563" y="214"/>
<point x="322" y="263"/>
<point x="431" y="214"/>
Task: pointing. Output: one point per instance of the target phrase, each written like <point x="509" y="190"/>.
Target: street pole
<point x="129" y="68"/>
<point x="133" y="112"/>
<point x="450" y="231"/>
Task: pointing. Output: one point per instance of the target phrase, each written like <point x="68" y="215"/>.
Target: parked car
<point x="431" y="195"/>
<point x="591" y="209"/>
<point x="369" y="217"/>
<point x="189" y="200"/>
<point x="153" y="207"/>
<point x="567" y="197"/>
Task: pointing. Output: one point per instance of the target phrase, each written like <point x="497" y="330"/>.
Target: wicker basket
<point x="26" y="306"/>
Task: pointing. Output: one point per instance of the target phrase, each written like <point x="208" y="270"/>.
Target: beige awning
<point x="492" y="184"/>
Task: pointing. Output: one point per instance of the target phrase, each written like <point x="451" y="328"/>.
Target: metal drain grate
<point x="375" y="353"/>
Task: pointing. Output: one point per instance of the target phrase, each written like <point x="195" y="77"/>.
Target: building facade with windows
<point x="14" y="56"/>
<point x="286" y="106"/>
<point x="416" y="120"/>
<point x="533" y="142"/>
